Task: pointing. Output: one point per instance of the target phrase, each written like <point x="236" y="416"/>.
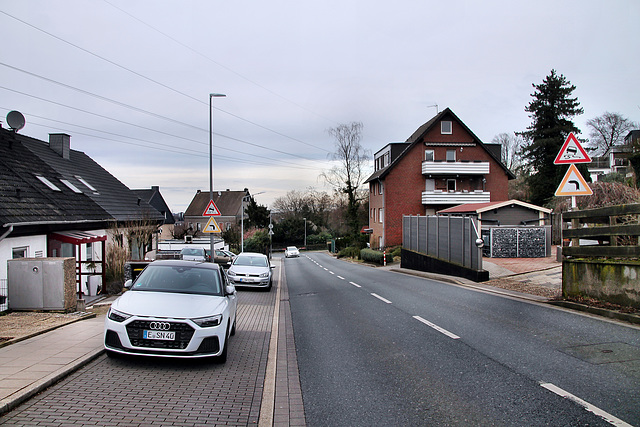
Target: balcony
<point x="439" y="197"/>
<point x="455" y="168"/>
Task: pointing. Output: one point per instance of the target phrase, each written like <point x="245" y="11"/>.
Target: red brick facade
<point x="403" y="181"/>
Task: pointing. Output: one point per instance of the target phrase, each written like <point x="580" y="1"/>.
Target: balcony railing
<point x="454" y="197"/>
<point x="455" y="168"/>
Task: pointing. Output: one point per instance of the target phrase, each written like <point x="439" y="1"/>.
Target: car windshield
<point x="253" y="261"/>
<point x="179" y="279"/>
<point x="292" y="248"/>
<point x="192" y="251"/>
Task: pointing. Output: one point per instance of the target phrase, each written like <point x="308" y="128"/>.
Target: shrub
<point x="377" y="257"/>
<point x="349" y="252"/>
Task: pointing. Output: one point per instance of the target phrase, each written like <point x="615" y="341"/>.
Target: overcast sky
<point x="130" y="80"/>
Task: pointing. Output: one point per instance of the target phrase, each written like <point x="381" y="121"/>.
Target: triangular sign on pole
<point x="211" y="210"/>
<point x="572" y="152"/>
<point x="212" y="226"/>
<point x="573" y="184"/>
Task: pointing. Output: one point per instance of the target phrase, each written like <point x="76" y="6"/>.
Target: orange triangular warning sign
<point x="211" y="227"/>
<point x="212" y="210"/>
<point x="572" y="152"/>
<point x="573" y="184"/>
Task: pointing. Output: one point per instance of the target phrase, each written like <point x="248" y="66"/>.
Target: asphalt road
<point x="382" y="348"/>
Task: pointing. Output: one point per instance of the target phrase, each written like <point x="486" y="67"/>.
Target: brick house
<point x="442" y="164"/>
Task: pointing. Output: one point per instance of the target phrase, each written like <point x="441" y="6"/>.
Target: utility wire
<point x="115" y="64"/>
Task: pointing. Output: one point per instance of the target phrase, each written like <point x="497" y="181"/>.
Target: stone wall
<point x="614" y="281"/>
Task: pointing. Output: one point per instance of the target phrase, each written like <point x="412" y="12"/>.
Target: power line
<point x="150" y="79"/>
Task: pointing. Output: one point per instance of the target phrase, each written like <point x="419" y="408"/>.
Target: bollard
<point x="384" y="257"/>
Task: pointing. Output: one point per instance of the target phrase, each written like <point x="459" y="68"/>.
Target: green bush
<point x="397" y="252"/>
<point x="349" y="252"/>
<point x="377" y="257"/>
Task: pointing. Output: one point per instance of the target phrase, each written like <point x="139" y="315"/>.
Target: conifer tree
<point x="551" y="111"/>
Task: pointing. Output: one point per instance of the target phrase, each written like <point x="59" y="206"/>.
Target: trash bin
<point x="93" y="284"/>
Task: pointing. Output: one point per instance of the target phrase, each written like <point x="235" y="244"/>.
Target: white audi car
<point x="174" y="308"/>
<point x="291" y="252"/>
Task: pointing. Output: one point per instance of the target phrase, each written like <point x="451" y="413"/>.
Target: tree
<point x="258" y="215"/>
<point x="551" y="111"/>
<point x="511" y="149"/>
<point x="608" y="130"/>
<point x="348" y="174"/>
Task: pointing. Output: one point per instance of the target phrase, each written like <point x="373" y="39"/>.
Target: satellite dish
<point x="15" y="120"/>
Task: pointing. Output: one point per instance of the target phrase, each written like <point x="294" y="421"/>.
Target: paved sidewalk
<point x="30" y="366"/>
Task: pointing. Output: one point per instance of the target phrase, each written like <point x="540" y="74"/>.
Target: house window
<point x="379" y="187"/>
<point x="446" y="127"/>
<point x="381" y="215"/>
<point x="19" y="252"/>
<point x="71" y="186"/>
<point x="451" y="155"/>
<point x="89" y="186"/>
<point x="428" y="155"/>
<point x="451" y="185"/>
<point x="48" y="183"/>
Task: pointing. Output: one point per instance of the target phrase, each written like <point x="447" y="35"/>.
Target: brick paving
<point x="165" y="392"/>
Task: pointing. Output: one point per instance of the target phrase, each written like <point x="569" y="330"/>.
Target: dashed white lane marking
<point x="588" y="406"/>
<point x="332" y="272"/>
<point x="437" y="328"/>
<point x="380" y="298"/>
<point x="340" y="277"/>
<point x="355" y="284"/>
<point x="326" y="269"/>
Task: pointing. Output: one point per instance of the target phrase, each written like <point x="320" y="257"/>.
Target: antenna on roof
<point x="15" y="120"/>
<point x="434" y="105"/>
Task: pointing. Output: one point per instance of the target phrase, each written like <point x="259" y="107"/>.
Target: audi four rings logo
<point x="160" y="326"/>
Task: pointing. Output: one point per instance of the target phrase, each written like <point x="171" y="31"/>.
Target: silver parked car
<point x="174" y="308"/>
<point x="251" y="269"/>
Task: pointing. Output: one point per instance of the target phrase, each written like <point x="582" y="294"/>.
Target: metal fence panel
<point x="448" y="238"/>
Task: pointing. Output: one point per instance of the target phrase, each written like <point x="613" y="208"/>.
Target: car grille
<point x="183" y="331"/>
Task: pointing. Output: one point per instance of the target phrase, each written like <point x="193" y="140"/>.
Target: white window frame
<point x="48" y="183"/>
<point x="446" y="127"/>
<point x="454" y="155"/>
<point x="426" y="155"/>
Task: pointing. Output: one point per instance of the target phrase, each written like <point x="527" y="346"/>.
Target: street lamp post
<point x="211" y="96"/>
<point x="305" y="232"/>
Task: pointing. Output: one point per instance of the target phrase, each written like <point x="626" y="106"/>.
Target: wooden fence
<point x="611" y="231"/>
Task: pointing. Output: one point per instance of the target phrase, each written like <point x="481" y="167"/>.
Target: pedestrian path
<point x="30" y="366"/>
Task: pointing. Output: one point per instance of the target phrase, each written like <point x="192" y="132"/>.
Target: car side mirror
<point x="128" y="284"/>
<point x="272" y="266"/>
<point x="229" y="290"/>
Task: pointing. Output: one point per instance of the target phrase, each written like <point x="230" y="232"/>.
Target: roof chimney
<point x="60" y="143"/>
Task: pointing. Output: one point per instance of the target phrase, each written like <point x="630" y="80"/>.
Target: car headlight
<point x="230" y="272"/>
<point x="118" y="316"/>
<point x="264" y="274"/>
<point x="209" y="321"/>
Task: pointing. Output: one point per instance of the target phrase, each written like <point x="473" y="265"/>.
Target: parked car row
<point x="183" y="308"/>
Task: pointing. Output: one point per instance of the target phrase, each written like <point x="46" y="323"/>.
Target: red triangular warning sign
<point x="212" y="210"/>
<point x="572" y="152"/>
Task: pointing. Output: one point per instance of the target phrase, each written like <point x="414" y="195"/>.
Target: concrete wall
<point x="615" y="282"/>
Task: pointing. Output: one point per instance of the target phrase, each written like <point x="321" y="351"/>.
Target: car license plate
<point x="159" y="335"/>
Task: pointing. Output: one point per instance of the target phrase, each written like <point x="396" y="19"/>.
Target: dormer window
<point x="446" y="127"/>
<point x="48" y="183"/>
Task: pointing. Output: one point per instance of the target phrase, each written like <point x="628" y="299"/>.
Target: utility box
<point x="42" y="284"/>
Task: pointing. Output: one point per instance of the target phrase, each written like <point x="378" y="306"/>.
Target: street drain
<point x="605" y="353"/>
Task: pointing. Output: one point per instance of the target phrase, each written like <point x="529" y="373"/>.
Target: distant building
<point x="228" y="202"/>
<point x="616" y="158"/>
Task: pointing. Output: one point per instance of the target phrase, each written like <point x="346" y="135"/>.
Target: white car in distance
<point x="291" y="252"/>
